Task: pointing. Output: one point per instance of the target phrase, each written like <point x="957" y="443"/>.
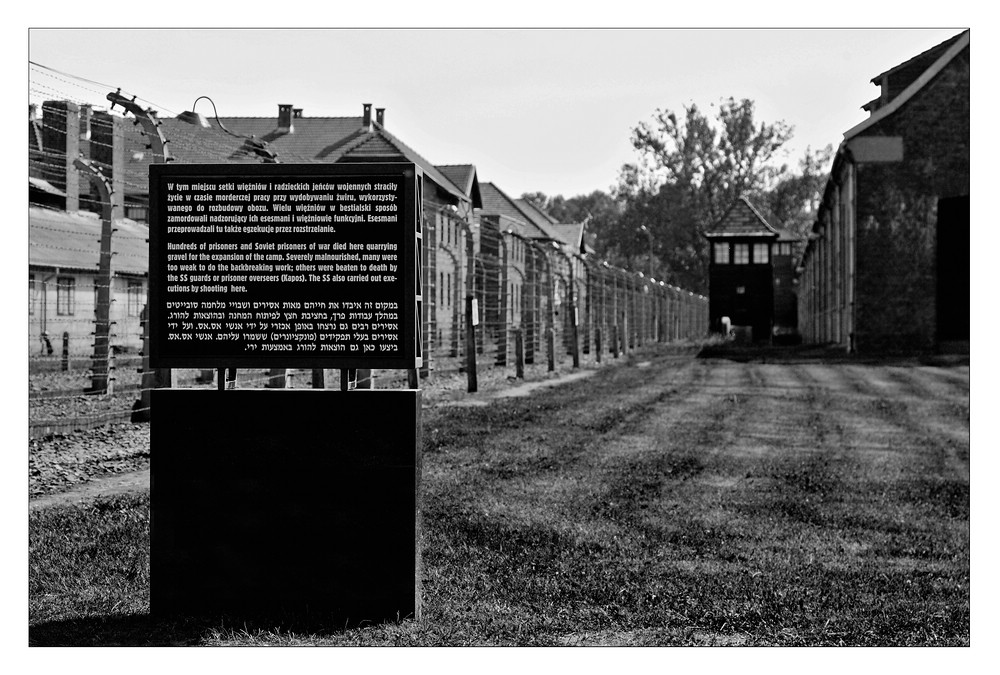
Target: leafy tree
<point x="794" y="201"/>
<point x="599" y="209"/>
<point x="539" y="199"/>
<point x="690" y="170"/>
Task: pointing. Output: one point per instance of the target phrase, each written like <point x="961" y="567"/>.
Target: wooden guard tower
<point x="741" y="272"/>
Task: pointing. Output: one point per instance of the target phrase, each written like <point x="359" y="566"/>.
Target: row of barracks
<point x="885" y="268"/>
<point x="524" y="268"/>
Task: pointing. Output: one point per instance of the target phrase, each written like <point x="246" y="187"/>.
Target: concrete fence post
<point x="470" y="345"/>
<point x="519" y="353"/>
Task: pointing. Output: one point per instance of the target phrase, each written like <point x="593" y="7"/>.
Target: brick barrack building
<point x="887" y="267"/>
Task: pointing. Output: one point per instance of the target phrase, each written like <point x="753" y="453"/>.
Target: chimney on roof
<point x="366" y="121"/>
<point x="296" y="113"/>
<point x="285" y="118"/>
<point x="380" y="116"/>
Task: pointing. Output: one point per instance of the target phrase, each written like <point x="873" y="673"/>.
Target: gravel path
<point x="58" y="463"/>
<point x="106" y="486"/>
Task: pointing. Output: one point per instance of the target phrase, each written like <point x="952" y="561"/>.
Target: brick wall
<point x="897" y="214"/>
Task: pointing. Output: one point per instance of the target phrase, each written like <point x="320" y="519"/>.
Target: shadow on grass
<point x="144" y="630"/>
<point x="130" y="630"/>
<point x="824" y="353"/>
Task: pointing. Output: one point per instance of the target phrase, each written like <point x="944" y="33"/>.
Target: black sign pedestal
<point x="286" y="502"/>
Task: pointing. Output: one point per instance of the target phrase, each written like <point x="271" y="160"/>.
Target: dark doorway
<point x="953" y="269"/>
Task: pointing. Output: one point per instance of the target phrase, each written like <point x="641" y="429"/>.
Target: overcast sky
<point x="532" y="109"/>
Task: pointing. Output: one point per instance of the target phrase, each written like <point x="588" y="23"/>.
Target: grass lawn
<point x="673" y="501"/>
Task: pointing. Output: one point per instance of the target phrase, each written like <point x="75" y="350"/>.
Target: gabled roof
<point x="536" y="213"/>
<point x="907" y="72"/>
<point x="495" y="202"/>
<point x="314" y="138"/>
<point x="187" y="144"/>
<point x="465" y="179"/>
<point x="71" y="241"/>
<point x="572" y="234"/>
<point x="898" y="78"/>
<point x="252" y="140"/>
<point x="742" y="220"/>
<point x="338" y="139"/>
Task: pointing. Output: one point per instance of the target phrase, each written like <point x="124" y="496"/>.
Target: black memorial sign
<point x="284" y="265"/>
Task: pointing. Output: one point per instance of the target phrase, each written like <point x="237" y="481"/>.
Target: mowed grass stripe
<point x="689" y="502"/>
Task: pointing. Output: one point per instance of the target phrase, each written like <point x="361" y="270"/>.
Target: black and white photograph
<point x="556" y="335"/>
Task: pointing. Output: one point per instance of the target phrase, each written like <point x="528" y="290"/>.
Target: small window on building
<point x="720" y="254"/>
<point x="448" y="282"/>
<point x="135" y="297"/>
<point x="761" y="254"/>
<point x="741" y="290"/>
<point x="138" y="213"/>
<point x="741" y="254"/>
<point x="65" y="296"/>
<point x="31" y="294"/>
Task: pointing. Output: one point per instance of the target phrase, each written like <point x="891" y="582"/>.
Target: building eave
<point x="741" y="235"/>
<point x="908" y="93"/>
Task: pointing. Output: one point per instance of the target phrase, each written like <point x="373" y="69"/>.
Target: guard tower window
<point x="720" y="254"/>
<point x="741" y="254"/>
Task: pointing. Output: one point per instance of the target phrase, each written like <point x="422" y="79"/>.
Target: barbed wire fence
<point x="497" y="303"/>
